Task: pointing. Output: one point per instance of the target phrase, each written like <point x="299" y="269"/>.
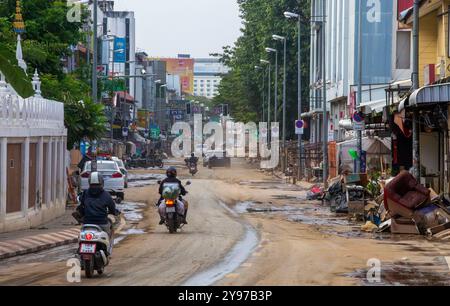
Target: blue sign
<point x="120" y="55"/>
<point x="376" y="32"/>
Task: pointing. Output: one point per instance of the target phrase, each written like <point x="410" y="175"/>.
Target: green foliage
<point x="48" y="38"/>
<point x="85" y="119"/>
<point x="13" y="73"/>
<point x="243" y="87"/>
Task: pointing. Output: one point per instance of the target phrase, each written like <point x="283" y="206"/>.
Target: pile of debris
<point x="401" y="205"/>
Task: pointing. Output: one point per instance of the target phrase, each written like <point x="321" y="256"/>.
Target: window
<point x="403" y="56"/>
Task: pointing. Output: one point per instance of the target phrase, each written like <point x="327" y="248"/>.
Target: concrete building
<point x="208" y="73"/>
<point x="382" y="68"/>
<point x="117" y="25"/>
<point x="433" y="98"/>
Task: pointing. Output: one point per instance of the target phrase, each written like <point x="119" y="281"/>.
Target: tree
<point x="49" y="37"/>
<point x="242" y="88"/>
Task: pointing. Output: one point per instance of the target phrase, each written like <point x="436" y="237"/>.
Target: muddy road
<point x="245" y="228"/>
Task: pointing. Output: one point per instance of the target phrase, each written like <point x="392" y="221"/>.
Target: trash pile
<point x="400" y="205"/>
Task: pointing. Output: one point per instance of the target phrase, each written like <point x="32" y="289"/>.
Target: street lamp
<point x="269" y="67"/>
<point x="283" y="39"/>
<point x="290" y="15"/>
<point x="271" y="50"/>
<point x="263" y="93"/>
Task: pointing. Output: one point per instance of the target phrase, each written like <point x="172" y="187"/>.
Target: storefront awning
<point x="434" y="94"/>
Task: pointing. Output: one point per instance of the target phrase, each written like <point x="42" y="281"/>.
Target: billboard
<point x="183" y="67"/>
<point x="376" y="31"/>
<point x="120" y="45"/>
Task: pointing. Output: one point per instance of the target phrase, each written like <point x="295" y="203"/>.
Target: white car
<point x="114" y="181"/>
<point x="122" y="168"/>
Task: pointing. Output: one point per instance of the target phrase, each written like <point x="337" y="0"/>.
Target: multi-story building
<point x="208" y="73"/>
<point x="430" y="103"/>
<point x="382" y="69"/>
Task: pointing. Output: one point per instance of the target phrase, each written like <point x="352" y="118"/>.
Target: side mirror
<point x="159" y="182"/>
<point x="188" y="183"/>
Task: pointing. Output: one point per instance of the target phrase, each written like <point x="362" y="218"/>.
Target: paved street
<point x="245" y="228"/>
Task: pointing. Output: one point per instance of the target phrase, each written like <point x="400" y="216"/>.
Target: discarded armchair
<point x="404" y="194"/>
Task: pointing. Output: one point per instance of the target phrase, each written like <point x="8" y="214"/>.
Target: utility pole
<point x="324" y="98"/>
<point x="359" y="133"/>
<point x="415" y="82"/>
<point x="284" y="107"/>
<point x="95" y="56"/>
<point x="299" y="97"/>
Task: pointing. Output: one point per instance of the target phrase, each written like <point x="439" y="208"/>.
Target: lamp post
<point x="95" y="56"/>
<point x="324" y="97"/>
<point x="143" y="75"/>
<point x="359" y="133"/>
<point x="269" y="67"/>
<point x="271" y="50"/>
<point x="290" y="15"/>
<point x="283" y="39"/>
<point x="415" y="82"/>
<point x="263" y="92"/>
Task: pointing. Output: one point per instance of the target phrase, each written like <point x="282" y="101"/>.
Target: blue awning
<point x="434" y="94"/>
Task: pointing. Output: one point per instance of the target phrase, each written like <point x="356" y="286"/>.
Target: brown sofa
<point x="404" y="194"/>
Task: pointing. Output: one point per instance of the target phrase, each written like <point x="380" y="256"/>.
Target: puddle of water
<point x="147" y="176"/>
<point x="408" y="274"/>
<point x="133" y="213"/>
<point x="134" y="231"/>
<point x="238" y="255"/>
<point x="142" y="183"/>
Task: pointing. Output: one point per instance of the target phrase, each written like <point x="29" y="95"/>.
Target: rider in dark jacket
<point x="96" y="204"/>
<point x="172" y="178"/>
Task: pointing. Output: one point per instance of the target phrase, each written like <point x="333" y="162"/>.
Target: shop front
<point x="431" y="103"/>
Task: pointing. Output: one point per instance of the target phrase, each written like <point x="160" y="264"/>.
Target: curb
<point x="33" y="244"/>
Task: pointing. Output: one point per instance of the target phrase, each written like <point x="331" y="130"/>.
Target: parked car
<point x="113" y="177"/>
<point x="122" y="168"/>
<point x="216" y="159"/>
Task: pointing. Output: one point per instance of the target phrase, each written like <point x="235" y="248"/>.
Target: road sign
<point x="358" y="121"/>
<point x="299" y="127"/>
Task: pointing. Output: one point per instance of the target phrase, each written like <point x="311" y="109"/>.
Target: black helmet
<point x="96" y="179"/>
<point x="192" y="155"/>
<point x="171" y="172"/>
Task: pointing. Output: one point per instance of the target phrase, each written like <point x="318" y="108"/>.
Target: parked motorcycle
<point x="171" y="195"/>
<point x="157" y="162"/>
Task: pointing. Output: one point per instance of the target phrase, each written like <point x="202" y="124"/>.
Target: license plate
<point x="170" y="209"/>
<point x="87" y="248"/>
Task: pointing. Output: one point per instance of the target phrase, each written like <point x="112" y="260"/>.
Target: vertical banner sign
<point x="376" y="32"/>
<point x="120" y="50"/>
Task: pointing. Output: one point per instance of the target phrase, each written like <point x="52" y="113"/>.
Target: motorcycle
<point x="171" y="196"/>
<point x="94" y="248"/>
<point x="193" y="168"/>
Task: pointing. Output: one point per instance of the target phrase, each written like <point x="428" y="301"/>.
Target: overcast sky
<point x="197" y="27"/>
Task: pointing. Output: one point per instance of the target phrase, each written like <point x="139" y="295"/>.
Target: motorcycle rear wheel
<point x="171" y="225"/>
<point x="89" y="268"/>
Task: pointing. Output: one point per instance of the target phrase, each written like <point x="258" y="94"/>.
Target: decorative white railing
<point x="33" y="112"/>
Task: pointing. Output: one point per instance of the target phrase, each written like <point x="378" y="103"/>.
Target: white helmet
<point x="96" y="179"/>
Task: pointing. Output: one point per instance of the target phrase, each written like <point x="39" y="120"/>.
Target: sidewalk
<point x="58" y="232"/>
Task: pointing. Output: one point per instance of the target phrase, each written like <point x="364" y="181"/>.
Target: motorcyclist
<point x="192" y="160"/>
<point x="172" y="178"/>
<point x="96" y="204"/>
